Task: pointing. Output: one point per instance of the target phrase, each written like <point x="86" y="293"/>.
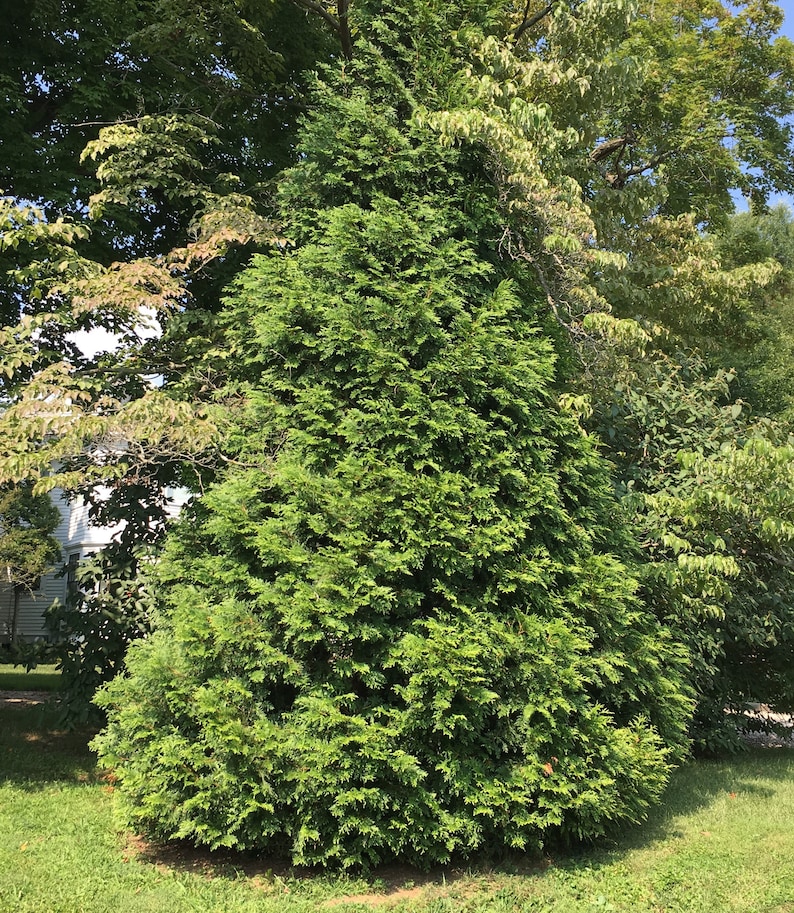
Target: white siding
<point x="75" y="536"/>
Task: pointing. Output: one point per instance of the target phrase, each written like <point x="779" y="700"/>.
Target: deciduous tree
<point x="27" y="547"/>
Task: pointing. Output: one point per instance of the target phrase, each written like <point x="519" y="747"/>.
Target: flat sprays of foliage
<point x="401" y="624"/>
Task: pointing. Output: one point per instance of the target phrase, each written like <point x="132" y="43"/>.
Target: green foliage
<point x="710" y="495"/>
<point x="710" y="111"/>
<point x="60" y="850"/>
<point x="650" y="407"/>
<point x="400" y="624"/>
<point x="685" y="311"/>
<point x="589" y="141"/>
<point x="107" y="609"/>
<point x="108" y="604"/>
<point x="68" y="70"/>
<point x="472" y="166"/>
<point x="145" y="134"/>
<point x="27" y="547"/>
<point x="186" y="112"/>
<point x="729" y="526"/>
<point x="759" y="342"/>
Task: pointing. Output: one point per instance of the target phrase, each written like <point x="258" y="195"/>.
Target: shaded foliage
<point x="28" y="548"/>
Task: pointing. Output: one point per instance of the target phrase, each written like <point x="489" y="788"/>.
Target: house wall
<point x="76" y="536"/>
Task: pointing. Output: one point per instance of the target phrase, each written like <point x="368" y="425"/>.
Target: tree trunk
<point x="14" y="617"/>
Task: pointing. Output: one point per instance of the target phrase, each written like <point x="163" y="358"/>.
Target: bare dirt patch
<point x="377" y="899"/>
<point x="390" y="884"/>
<point x="24" y="698"/>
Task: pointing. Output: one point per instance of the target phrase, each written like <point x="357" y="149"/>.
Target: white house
<point x="78" y="538"/>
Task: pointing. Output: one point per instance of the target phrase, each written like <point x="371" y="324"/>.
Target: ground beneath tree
<point x="390" y="883"/>
<point x="25" y="698"/>
<point x="393" y="883"/>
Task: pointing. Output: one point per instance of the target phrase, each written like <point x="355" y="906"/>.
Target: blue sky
<point x="788" y="30"/>
<point x="788" y="9"/>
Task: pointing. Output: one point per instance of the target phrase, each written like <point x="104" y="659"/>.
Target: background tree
<point x="758" y="341"/>
<point x="614" y="237"/>
<point x="709" y="113"/>
<point x="690" y="464"/>
<point x="27" y="547"/>
<point x="138" y="141"/>
<point x="72" y="67"/>
<point x="107" y="606"/>
<point x="144" y="135"/>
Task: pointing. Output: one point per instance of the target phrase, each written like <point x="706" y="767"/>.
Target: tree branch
<point x="528" y="21"/>
<point x="344" y="29"/>
<point x="340" y="26"/>
<point x="513" y="246"/>
<point x="321" y="11"/>
<point x="618" y="179"/>
<point x="605" y="149"/>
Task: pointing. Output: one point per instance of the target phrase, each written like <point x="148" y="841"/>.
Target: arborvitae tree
<point x="403" y="623"/>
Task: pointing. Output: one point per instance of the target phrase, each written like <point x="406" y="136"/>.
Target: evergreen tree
<point x="403" y="623"/>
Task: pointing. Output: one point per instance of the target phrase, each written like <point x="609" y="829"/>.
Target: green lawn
<point x="15" y="678"/>
<point x="723" y="842"/>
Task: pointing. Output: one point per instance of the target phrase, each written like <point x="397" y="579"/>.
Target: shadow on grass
<point x="696" y="784"/>
<point x="693" y="787"/>
<point x="35" y="752"/>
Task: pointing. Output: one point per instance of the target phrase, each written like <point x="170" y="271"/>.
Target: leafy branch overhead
<point x="169" y="222"/>
<point x="337" y="16"/>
